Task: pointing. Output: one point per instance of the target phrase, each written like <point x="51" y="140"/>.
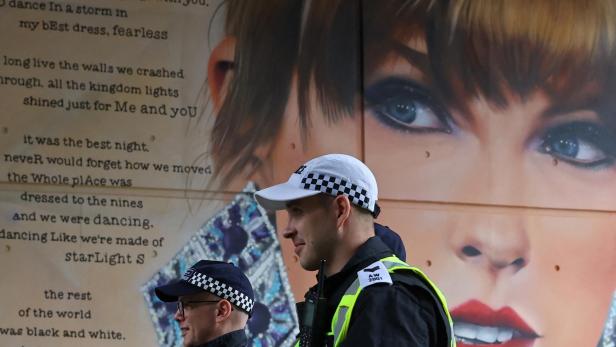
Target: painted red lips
<point x="476" y="324"/>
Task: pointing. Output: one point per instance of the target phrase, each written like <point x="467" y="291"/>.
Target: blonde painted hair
<point x="561" y="26"/>
<point x="489" y="47"/>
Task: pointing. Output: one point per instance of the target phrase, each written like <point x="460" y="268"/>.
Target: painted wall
<point x="132" y="133"/>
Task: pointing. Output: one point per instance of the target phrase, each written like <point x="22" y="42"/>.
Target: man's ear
<point x="223" y="311"/>
<point x="219" y="69"/>
<point x="343" y="210"/>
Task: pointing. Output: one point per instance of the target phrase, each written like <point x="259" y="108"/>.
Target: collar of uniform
<point x="371" y="251"/>
<point x="335" y="285"/>
<point x="233" y="339"/>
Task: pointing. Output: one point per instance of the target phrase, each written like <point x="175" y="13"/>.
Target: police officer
<point x="214" y="301"/>
<point x="373" y="297"/>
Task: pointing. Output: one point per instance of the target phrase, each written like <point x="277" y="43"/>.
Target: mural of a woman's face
<point x="523" y="276"/>
<point x="517" y="276"/>
<point x="504" y="205"/>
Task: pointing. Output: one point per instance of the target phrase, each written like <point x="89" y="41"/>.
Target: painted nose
<point x="497" y="243"/>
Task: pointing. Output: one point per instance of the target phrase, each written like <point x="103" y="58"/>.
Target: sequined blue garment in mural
<point x="608" y="339"/>
<point x="242" y="234"/>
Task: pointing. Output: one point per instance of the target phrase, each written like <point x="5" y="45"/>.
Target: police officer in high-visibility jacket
<point x="372" y="297"/>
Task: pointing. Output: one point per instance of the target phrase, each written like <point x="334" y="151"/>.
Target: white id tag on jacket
<point x="372" y="274"/>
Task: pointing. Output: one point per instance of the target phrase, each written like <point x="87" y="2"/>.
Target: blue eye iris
<point x="401" y="109"/>
<point x="566" y="147"/>
<point x="405" y="105"/>
<point x="580" y="143"/>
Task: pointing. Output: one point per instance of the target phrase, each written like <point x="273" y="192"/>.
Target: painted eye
<point x="401" y="109"/>
<point x="573" y="148"/>
<point x="406" y="106"/>
<point x="407" y="112"/>
<point x="580" y="143"/>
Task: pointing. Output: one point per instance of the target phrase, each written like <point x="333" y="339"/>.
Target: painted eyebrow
<point x="590" y="103"/>
<point x="414" y="57"/>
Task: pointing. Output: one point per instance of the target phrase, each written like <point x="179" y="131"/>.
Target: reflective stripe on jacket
<point x="342" y="316"/>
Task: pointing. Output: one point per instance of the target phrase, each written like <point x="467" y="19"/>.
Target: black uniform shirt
<point x="233" y="339"/>
<point x="386" y="315"/>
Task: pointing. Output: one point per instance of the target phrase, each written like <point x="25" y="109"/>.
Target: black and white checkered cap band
<point x="221" y="290"/>
<point x="335" y="186"/>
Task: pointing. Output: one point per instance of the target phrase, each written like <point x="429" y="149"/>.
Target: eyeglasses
<point x="182" y="304"/>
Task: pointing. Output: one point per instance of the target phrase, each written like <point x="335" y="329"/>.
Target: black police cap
<point x="222" y="279"/>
